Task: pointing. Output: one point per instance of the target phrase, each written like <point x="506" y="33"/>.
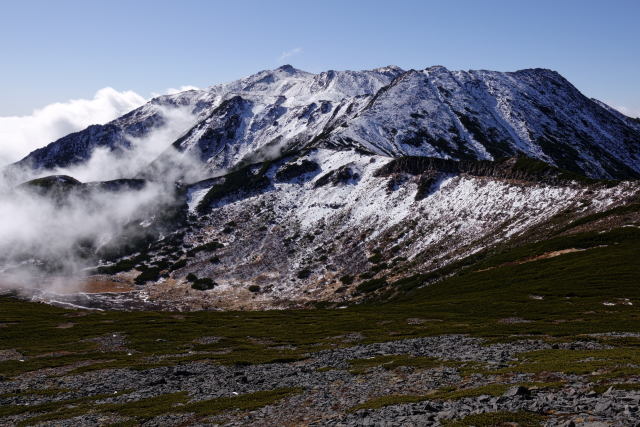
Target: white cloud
<point x="38" y="232"/>
<point x="19" y="135"/>
<point x="290" y="53"/>
<point x="105" y="164"/>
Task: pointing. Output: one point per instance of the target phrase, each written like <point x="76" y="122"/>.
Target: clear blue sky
<point x="56" y="50"/>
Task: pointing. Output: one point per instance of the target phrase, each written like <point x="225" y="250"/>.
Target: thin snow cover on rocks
<point x="297" y="237"/>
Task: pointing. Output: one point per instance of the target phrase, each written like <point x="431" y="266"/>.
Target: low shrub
<point x="371" y="285"/>
<point x="346" y="279"/>
<point x="304" y="274"/>
<point x="203" y="284"/>
<point x="178" y="264"/>
<point x="207" y="247"/>
<point x="149" y="275"/>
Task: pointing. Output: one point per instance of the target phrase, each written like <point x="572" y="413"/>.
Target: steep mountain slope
<point x="78" y="147"/>
<point x="388" y="111"/>
<point x="488" y="115"/>
<point x="327" y="225"/>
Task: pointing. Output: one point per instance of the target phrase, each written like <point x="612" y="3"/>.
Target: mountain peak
<point x="436" y="68"/>
<point x="389" y="69"/>
<point x="287" y="68"/>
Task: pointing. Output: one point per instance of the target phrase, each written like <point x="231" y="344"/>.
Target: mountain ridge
<point x="431" y="112"/>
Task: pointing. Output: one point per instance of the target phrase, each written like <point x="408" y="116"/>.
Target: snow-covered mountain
<point x="287" y="187"/>
<point x="386" y="111"/>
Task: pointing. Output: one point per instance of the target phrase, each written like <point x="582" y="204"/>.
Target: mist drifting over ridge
<point x="63" y="220"/>
<point x="21" y="134"/>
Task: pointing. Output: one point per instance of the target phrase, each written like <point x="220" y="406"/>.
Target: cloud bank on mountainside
<point x="19" y="135"/>
<point x="48" y="238"/>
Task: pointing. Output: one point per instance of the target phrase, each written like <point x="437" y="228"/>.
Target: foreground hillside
<point x="341" y="226"/>
<point x="544" y="333"/>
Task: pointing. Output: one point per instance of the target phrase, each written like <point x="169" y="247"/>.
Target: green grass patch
<point x="601" y="388"/>
<point x="145" y="409"/>
<point x="455" y="393"/>
<point x="49" y="407"/>
<point x="446" y="393"/>
<point x="605" y="363"/>
<point x="245" y="402"/>
<point x="178" y="403"/>
<point x="360" y="366"/>
<point x="498" y="419"/>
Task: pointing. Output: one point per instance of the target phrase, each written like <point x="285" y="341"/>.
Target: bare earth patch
<point x="546" y="255"/>
<point x="65" y="325"/>
<point x="98" y="284"/>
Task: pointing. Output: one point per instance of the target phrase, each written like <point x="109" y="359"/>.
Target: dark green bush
<point x="254" y="288"/>
<point x="203" y="284"/>
<point x="293" y="170"/>
<point x="234" y="184"/>
<point x="379" y="267"/>
<point x="178" y="264"/>
<point x="366" y="275"/>
<point x="122" y="265"/>
<point x="149" y="275"/>
<point x="162" y="264"/>
<point x="303" y="274"/>
<point x="207" y="247"/>
<point x="347" y="280"/>
<point x="375" y="258"/>
<point x="371" y="285"/>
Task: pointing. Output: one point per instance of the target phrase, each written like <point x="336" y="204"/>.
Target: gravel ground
<point x="330" y="390"/>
